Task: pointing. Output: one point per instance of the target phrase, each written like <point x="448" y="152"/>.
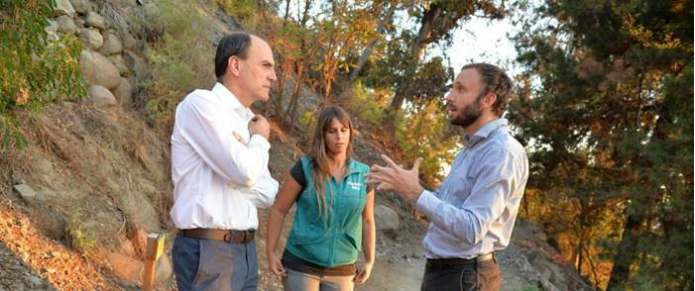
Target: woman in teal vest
<point x="334" y="218"/>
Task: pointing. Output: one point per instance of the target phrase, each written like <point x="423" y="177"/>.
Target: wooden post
<point x="155" y="248"/>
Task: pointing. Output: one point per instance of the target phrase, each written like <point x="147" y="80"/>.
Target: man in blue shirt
<point x="472" y="213"/>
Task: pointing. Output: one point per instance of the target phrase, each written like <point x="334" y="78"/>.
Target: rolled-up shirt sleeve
<point x="494" y="182"/>
<point x="263" y="193"/>
<point x="204" y="129"/>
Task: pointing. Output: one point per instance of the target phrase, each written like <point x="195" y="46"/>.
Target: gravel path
<point x="16" y="276"/>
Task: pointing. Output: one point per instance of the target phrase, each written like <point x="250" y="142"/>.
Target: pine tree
<point x="608" y="107"/>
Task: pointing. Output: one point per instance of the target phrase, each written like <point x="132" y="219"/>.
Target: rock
<point x="52" y="27"/>
<point x="129" y="41"/>
<point x="164" y="269"/>
<point x="112" y="45"/>
<point x="95" y="20"/>
<point x="101" y="96"/>
<point x="98" y="70"/>
<point x="81" y="6"/>
<point x="79" y="22"/>
<point x="63" y="7"/>
<point x="125" y="267"/>
<point x="51" y="30"/>
<point x="386" y="219"/>
<point x="18" y="286"/>
<point x="91" y="38"/>
<point x="124" y="92"/>
<point x="119" y="62"/>
<point x="26" y="192"/>
<point x="138" y="207"/>
<point x="49" y="220"/>
<point x="66" y="25"/>
<point x="35" y="280"/>
<point x="135" y="63"/>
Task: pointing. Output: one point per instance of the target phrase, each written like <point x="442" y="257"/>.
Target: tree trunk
<point x="627" y="253"/>
<point x="420" y="44"/>
<point x="300" y="67"/>
<point x="305" y="14"/>
<point x="287" y="9"/>
<point x="292" y="108"/>
<point x="370" y="47"/>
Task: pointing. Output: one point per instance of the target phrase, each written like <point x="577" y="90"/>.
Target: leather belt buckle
<point x="227" y="236"/>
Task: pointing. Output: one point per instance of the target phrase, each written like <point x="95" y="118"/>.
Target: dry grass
<point x="61" y="267"/>
<point x="13" y="164"/>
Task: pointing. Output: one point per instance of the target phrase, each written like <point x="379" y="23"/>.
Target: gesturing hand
<point x="394" y="177"/>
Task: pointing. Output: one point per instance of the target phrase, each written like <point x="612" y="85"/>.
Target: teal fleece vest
<point x="337" y="240"/>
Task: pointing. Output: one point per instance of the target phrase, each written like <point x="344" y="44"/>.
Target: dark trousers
<point x="209" y="265"/>
<point x="462" y="276"/>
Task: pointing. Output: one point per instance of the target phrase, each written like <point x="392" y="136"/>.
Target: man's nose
<point x="448" y="98"/>
<point x="272" y="76"/>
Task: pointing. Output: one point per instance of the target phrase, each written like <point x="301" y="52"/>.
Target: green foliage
<point x="422" y="133"/>
<point x="606" y="103"/>
<point x="244" y="11"/>
<point x="308" y="119"/>
<point x="35" y="68"/>
<point x="369" y="104"/>
<point x="181" y="60"/>
<point x="81" y="238"/>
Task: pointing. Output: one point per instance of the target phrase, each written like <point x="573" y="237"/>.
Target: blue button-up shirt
<point x="473" y="211"/>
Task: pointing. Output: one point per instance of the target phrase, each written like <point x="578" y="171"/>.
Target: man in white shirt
<point x="219" y="165"/>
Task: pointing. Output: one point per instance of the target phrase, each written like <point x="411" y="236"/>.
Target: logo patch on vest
<point x="355" y="185"/>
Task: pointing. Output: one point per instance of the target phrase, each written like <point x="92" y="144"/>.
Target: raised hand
<point x="395" y="177"/>
<point x="259" y="125"/>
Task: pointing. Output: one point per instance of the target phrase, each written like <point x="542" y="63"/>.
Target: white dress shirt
<point x="220" y="172"/>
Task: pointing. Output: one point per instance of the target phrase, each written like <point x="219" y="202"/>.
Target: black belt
<point x="228" y="236"/>
<point x="453" y="262"/>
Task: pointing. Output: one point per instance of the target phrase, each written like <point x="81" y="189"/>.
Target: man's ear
<point x="234" y="65"/>
<point x="490" y="99"/>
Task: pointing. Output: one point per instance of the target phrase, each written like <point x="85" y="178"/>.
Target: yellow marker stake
<point x="155" y="248"/>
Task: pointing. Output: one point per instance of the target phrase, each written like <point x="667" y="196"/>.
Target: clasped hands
<point x="395" y="177"/>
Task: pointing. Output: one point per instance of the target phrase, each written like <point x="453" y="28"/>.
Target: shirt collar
<point x="352" y="166"/>
<point x="485" y="131"/>
<point x="229" y="98"/>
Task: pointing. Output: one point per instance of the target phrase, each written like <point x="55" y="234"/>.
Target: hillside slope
<point x="76" y="203"/>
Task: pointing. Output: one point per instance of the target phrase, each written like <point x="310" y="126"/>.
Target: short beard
<point x="469" y="114"/>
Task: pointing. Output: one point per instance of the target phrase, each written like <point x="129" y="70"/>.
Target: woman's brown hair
<point x="321" y="170"/>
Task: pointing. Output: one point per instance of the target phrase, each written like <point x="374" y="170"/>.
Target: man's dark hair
<point x="235" y="44"/>
<point x="496" y="81"/>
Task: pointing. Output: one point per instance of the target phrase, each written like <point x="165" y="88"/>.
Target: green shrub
<point x="81" y="238"/>
<point x="181" y="59"/>
<point x="244" y="11"/>
<point x="368" y="104"/>
<point x="35" y="70"/>
<point x="422" y="133"/>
